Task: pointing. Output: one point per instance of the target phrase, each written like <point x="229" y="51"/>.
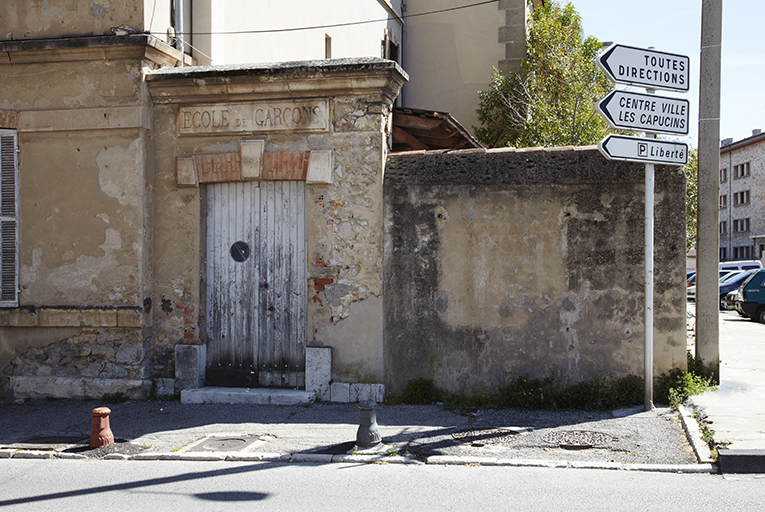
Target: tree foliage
<point x="551" y="101"/>
<point x="691" y="170"/>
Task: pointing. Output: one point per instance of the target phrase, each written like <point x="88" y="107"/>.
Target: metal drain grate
<point x="481" y="436"/>
<point x="577" y="439"/>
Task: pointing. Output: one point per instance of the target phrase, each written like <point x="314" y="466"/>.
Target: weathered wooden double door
<point x="256" y="289"/>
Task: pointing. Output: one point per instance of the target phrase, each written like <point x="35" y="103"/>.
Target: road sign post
<point x="651" y="114"/>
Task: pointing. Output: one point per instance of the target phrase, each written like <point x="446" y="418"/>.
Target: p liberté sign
<point x="645" y="112"/>
<point x="638" y="149"/>
<point x="646" y="68"/>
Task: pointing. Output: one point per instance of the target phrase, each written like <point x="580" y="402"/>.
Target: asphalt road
<point x="274" y="486"/>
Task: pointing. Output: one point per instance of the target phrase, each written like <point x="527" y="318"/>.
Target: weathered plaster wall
<point x="345" y="244"/>
<point x="81" y="112"/>
<point x="82" y="222"/>
<point x="502" y="263"/>
<point x="343" y="218"/>
<point x="42" y="19"/>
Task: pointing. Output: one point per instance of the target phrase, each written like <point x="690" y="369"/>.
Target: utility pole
<point x="708" y="216"/>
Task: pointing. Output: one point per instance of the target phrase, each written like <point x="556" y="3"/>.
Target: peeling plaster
<point x="118" y="173"/>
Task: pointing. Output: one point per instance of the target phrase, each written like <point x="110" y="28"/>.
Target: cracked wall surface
<point x="85" y="216"/>
<point x="511" y="263"/>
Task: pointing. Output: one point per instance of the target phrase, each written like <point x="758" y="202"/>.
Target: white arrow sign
<point x="645" y="112"/>
<point x="646" y="68"/>
<point x="636" y="149"/>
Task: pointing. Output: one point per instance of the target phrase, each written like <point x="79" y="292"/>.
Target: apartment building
<point x="742" y="198"/>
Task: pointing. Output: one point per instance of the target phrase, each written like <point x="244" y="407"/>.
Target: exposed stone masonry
<point x="115" y="354"/>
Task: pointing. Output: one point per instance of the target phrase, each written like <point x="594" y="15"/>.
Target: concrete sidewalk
<point x="736" y="411"/>
<point x="626" y="439"/>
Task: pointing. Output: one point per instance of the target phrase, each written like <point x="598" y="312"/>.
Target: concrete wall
<point x="506" y="263"/>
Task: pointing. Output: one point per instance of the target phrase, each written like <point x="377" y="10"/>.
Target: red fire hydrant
<point x="102" y="434"/>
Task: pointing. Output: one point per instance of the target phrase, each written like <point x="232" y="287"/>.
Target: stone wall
<point x="506" y="263"/>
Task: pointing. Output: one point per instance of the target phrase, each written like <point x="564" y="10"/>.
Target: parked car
<point x="730" y="300"/>
<point x="741" y="265"/>
<point x="733" y="284"/>
<point x="691" y="280"/>
<point x="751" y="297"/>
<point x="726" y="286"/>
<point x="726" y="275"/>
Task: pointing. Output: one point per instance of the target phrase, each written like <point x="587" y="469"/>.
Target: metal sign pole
<point x="648" y="329"/>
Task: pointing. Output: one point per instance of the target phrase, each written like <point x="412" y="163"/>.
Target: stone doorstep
<point x="250" y="396"/>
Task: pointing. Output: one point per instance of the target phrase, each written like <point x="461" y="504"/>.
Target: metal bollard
<point x="368" y="435"/>
<point x="102" y="434"/>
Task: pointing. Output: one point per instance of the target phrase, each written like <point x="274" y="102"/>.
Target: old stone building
<point x="742" y="198"/>
<point x="167" y="226"/>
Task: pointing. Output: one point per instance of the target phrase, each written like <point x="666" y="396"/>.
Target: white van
<point x="740" y="265"/>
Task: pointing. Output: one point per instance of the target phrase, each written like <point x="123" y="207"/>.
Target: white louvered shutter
<point x="9" y="225"/>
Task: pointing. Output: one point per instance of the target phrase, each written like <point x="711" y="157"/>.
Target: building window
<point x="723" y="201"/>
<point x="723" y="227"/>
<point x="741" y="198"/>
<point x="742" y="253"/>
<point x="723" y="253"/>
<point x="723" y="175"/>
<point x="9" y="218"/>
<point x="327" y="46"/>
<point x="741" y="170"/>
<point x="762" y="251"/>
<point x="741" y="225"/>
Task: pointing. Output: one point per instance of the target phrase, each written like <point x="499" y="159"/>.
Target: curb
<point x="693" y="432"/>
<point x="318" y="458"/>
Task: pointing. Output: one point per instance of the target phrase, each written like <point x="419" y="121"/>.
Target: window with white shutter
<point x="9" y="218"/>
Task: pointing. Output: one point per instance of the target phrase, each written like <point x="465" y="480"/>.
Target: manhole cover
<point x="577" y="439"/>
<point x="483" y="436"/>
<point x="224" y="444"/>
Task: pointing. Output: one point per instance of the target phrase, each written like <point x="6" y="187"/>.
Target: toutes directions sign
<point x="646" y="68"/>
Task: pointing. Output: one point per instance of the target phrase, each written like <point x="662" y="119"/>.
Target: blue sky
<point x="674" y="26"/>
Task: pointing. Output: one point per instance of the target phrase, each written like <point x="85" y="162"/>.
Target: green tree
<point x="551" y="101"/>
<point x="691" y="170"/>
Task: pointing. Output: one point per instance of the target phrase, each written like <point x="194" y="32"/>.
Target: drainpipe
<point x="179" y="28"/>
<point x="729" y="231"/>
<point x="403" y="51"/>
